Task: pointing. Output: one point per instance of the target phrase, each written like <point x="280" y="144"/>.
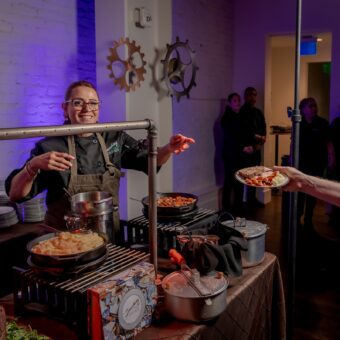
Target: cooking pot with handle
<point x="192" y="297"/>
<point x="91" y="203"/>
<point x="255" y="234"/>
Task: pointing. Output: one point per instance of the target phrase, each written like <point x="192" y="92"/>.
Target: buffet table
<point x="255" y="310"/>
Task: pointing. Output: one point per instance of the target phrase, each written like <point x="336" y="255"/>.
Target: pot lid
<point x="177" y="284"/>
<point x="249" y="229"/>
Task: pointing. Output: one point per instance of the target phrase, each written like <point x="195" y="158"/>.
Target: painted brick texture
<point x="42" y="50"/>
<point x="208" y="27"/>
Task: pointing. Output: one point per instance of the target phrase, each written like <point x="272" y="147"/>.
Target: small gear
<point x="176" y="71"/>
<point x="130" y="76"/>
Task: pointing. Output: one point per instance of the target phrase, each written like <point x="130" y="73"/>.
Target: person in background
<point x="323" y="189"/>
<point x="315" y="152"/>
<point x="255" y="131"/>
<point x="232" y="149"/>
<point x="87" y="162"/>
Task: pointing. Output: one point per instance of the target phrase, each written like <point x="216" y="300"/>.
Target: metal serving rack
<point x="66" y="130"/>
<point x="136" y="231"/>
<point x="65" y="297"/>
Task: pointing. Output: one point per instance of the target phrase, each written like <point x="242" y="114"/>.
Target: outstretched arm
<point x="177" y="144"/>
<point x="323" y="189"/>
<point x="22" y="182"/>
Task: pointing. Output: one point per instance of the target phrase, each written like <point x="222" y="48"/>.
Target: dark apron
<point x="108" y="181"/>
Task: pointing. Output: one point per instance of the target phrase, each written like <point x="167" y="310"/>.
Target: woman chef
<point x="87" y="162"/>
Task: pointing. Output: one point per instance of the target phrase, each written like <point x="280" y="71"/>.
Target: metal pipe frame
<point x="293" y="198"/>
<point x="66" y="130"/>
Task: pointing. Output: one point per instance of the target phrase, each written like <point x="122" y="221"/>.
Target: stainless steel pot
<point x="102" y="223"/>
<point x="92" y="203"/>
<point x="255" y="234"/>
<point x="93" y="210"/>
<point x="185" y="302"/>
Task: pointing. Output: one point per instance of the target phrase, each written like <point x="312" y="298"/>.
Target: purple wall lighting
<point x="86" y="40"/>
<point x="48" y="45"/>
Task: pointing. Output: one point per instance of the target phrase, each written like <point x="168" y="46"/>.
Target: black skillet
<point x="65" y="260"/>
<point x="172" y="211"/>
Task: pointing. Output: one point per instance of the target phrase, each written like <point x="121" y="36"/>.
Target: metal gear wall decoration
<point x="157" y="77"/>
<point x="131" y="75"/>
<point x="179" y="75"/>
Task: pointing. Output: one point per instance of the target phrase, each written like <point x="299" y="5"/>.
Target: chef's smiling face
<point x="82" y="107"/>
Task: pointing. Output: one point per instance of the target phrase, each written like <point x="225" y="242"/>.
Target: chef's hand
<point x="297" y="179"/>
<point x="52" y="160"/>
<point x="179" y="143"/>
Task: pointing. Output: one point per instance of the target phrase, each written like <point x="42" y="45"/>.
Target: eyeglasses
<point x="79" y="103"/>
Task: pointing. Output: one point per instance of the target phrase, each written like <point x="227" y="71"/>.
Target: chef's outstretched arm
<point x="177" y="144"/>
<point x="22" y="182"/>
<point x="321" y="188"/>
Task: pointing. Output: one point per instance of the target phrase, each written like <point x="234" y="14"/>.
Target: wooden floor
<point x="317" y="298"/>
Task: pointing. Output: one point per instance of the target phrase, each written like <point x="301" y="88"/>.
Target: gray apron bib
<point x="108" y="181"/>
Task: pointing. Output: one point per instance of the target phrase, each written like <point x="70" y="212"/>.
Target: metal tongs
<point x="191" y="275"/>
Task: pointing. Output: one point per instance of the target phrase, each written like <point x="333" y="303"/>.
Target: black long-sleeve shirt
<point x="124" y="152"/>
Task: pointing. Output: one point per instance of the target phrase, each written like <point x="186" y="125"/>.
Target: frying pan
<point x="59" y="271"/>
<point x="65" y="260"/>
<point x="172" y="211"/>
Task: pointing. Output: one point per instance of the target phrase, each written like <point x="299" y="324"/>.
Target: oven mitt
<point x="229" y="256"/>
<point x="206" y="257"/>
<point x="225" y="233"/>
<point x="200" y="257"/>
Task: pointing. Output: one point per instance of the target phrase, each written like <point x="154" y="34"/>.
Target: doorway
<point x="279" y="85"/>
<point x="319" y="86"/>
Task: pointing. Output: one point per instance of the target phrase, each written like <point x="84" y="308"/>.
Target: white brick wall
<point x="42" y="50"/>
<point x="39" y="56"/>
<point x="208" y="27"/>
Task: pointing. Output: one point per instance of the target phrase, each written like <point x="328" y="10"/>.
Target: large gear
<point x="176" y="70"/>
<point x="131" y="76"/>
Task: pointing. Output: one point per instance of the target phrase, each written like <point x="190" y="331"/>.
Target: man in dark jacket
<point x="232" y="149"/>
<point x="315" y="151"/>
<point x="255" y="131"/>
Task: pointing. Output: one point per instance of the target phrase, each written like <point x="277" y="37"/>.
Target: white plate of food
<point x="261" y="177"/>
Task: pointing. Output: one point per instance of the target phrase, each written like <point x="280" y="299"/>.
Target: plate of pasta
<point x="261" y="176"/>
